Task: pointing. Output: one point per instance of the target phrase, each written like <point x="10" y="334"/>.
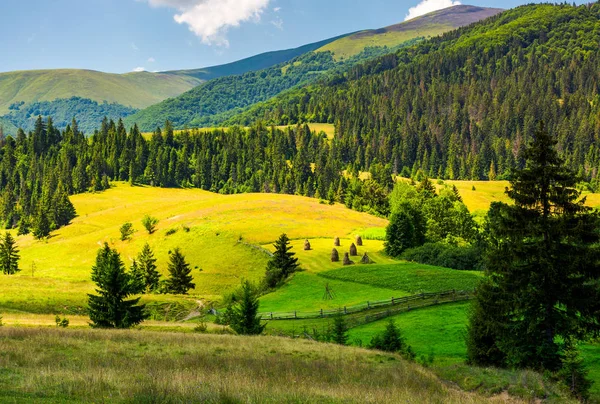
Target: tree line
<point x="464" y="105"/>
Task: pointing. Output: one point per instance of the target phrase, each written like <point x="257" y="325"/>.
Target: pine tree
<point x="339" y="334"/>
<point x="41" y="224"/>
<point x="282" y="264"/>
<point x="543" y="263"/>
<point x="138" y="277"/>
<point x="109" y="308"/>
<point x="147" y="265"/>
<point x="180" y="280"/>
<point x="391" y="340"/>
<point x="244" y="316"/>
<point x="9" y="255"/>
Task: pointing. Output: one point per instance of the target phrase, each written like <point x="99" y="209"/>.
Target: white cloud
<point x="277" y="9"/>
<point x="134" y="47"/>
<point x="139" y="69"/>
<point x="151" y="60"/>
<point x="278" y="23"/>
<point x="210" y="19"/>
<point x="429" y="6"/>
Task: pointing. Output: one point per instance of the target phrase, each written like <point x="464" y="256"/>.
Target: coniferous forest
<point x="464" y="105"/>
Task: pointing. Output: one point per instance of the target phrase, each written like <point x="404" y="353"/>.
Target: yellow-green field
<point x="223" y="233"/>
<point x="328" y="128"/>
<point x="354" y="44"/>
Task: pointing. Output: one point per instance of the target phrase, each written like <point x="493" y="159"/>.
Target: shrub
<point x="170" y="232"/>
<point x="149" y="223"/>
<point x="201" y="328"/>
<point x="467" y="258"/>
<point x="391" y="340"/>
<point x="61" y="322"/>
<point x="126" y="231"/>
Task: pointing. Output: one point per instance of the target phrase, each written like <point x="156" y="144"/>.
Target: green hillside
<point x="137" y="90"/>
<point x="218" y="100"/>
<point x="258" y="62"/>
<point x="62" y="111"/>
<point x="429" y="25"/>
<point x="460" y="106"/>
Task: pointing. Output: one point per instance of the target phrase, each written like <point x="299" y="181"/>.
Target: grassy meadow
<point x="217" y="233"/>
<point x="96" y="366"/>
<point x="226" y="238"/>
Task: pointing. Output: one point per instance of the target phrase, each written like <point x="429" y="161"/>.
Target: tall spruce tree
<point x="9" y="255"/>
<point x="542" y="290"/>
<point x="147" y="267"/>
<point x="244" y="316"/>
<point x="110" y="307"/>
<point x="41" y="224"/>
<point x="180" y="278"/>
<point x="282" y="264"/>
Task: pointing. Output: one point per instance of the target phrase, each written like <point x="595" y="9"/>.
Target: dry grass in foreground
<point x="133" y="366"/>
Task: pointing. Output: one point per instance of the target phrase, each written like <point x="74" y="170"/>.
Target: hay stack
<point x="365" y="259"/>
<point x="353" y="251"/>
<point x="359" y="241"/>
<point x="347" y="260"/>
<point x="336" y="242"/>
<point x="307" y="245"/>
<point x="335" y="256"/>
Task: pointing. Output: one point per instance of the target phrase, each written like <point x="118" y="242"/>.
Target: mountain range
<point x="205" y="96"/>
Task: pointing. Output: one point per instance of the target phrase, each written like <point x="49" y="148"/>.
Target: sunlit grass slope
<point x="138" y="90"/>
<point x="220" y="243"/>
<point x="429" y="25"/>
<point x="128" y="366"/>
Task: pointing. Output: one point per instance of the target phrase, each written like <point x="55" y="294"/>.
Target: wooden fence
<point x="377" y="309"/>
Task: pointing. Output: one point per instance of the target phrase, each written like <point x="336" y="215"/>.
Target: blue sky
<point x="122" y="35"/>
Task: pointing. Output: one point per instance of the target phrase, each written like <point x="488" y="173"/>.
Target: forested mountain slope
<point x="215" y="101"/>
<point x="463" y="105"/>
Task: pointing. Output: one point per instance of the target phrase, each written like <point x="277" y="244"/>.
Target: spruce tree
<point x="147" y="266"/>
<point x="339" y="334"/>
<point x="41" y="224"/>
<point x="109" y="308"/>
<point x="282" y="264"/>
<point x="244" y="315"/>
<point x="406" y="230"/>
<point x="9" y="255"/>
<point x="543" y="264"/>
<point x="180" y="279"/>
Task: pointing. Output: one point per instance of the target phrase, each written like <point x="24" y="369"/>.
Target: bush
<point x="149" y="223"/>
<point x="465" y="258"/>
<point x="126" y="231"/>
<point x="170" y="232"/>
<point x="61" y="322"/>
<point x="391" y="340"/>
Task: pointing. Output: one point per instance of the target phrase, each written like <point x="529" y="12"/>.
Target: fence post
<point x="392" y="300"/>
<point x="345" y="311"/>
<point x="321" y="313"/>
<point x="295" y="314"/>
<point x="368" y="305"/>
<point x="271" y="315"/>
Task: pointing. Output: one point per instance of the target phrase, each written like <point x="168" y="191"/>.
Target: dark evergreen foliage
<point x="9" y="255"/>
<point x="244" y="318"/>
<point x="457" y="105"/>
<point x="109" y="308"/>
<point x="543" y="263"/>
<point x="339" y="333"/>
<point x="282" y="264"/>
<point x="391" y="340"/>
<point x="147" y="268"/>
<point x="180" y="274"/>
